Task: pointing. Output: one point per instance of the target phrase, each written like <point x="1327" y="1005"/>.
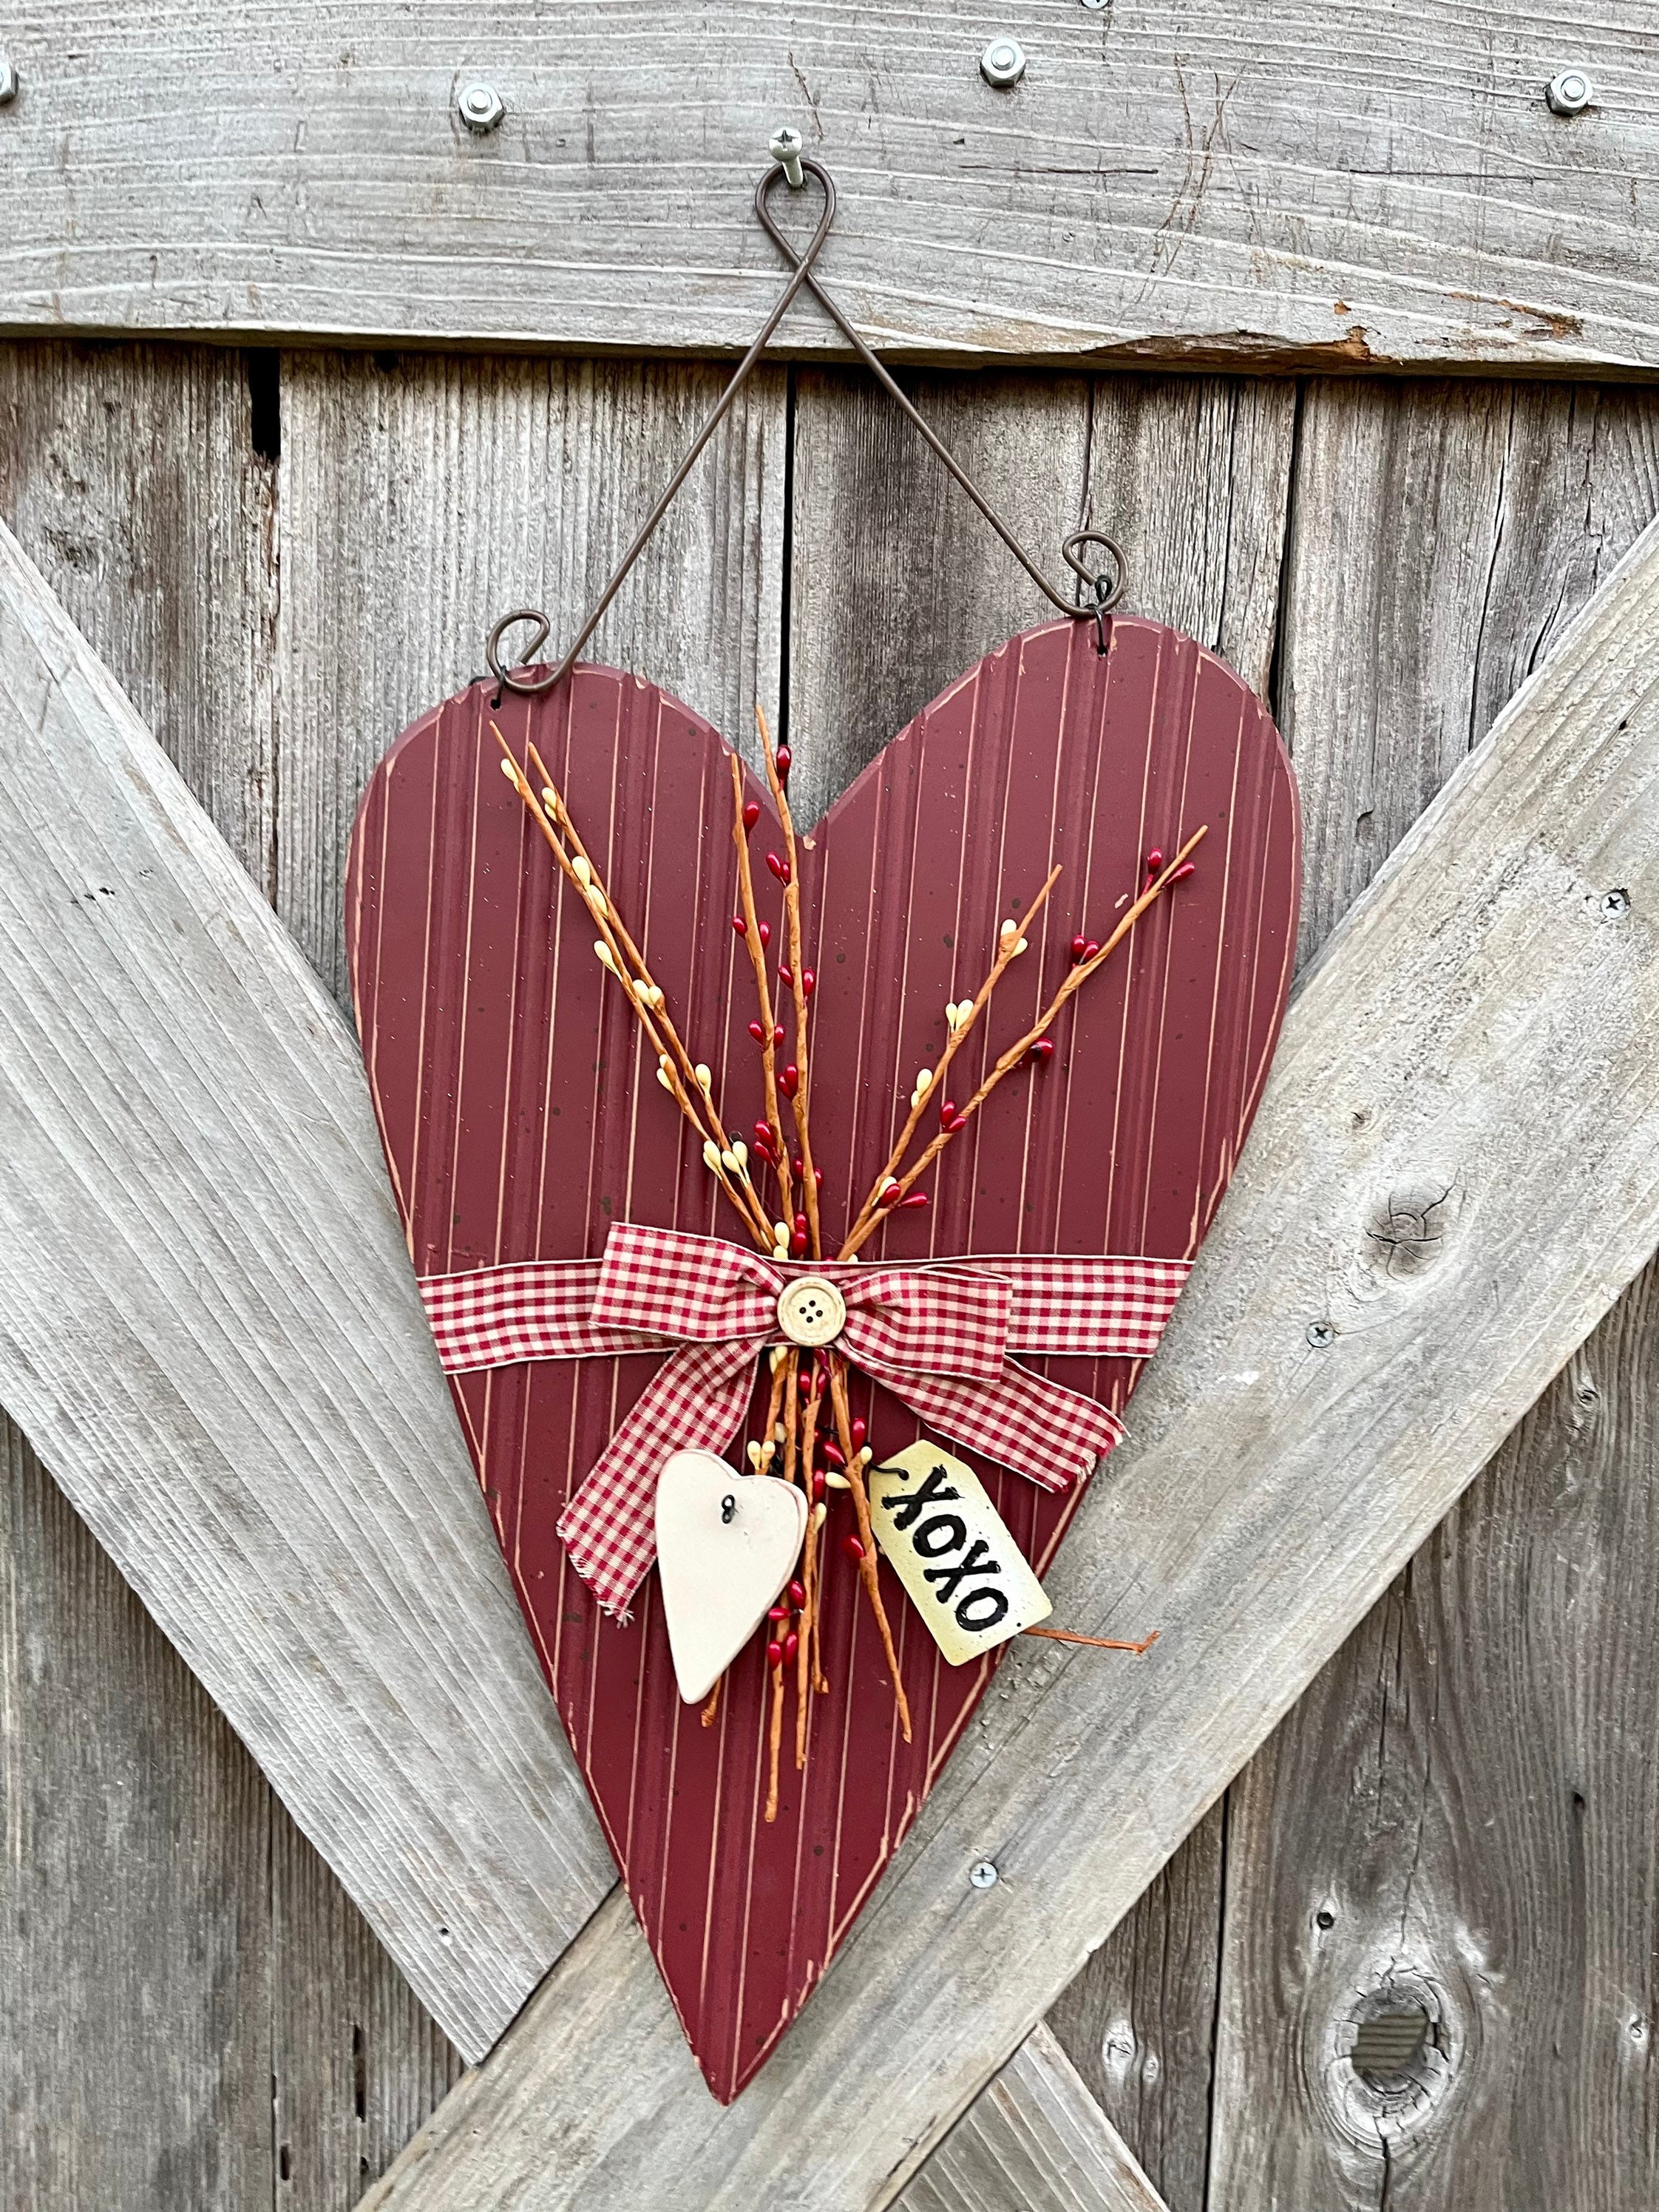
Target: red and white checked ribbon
<point x="937" y="1333"/>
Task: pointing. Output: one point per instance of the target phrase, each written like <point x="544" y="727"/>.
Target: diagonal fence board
<point x="1004" y="2080"/>
<point x="209" y="1329"/>
<point x="1481" y="1024"/>
<point x="1199" y="182"/>
<point x="1034" y="2139"/>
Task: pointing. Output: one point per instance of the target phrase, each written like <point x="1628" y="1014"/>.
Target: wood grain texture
<point x="1186" y="183"/>
<point x="1034" y="2139"/>
<point x="894" y="584"/>
<point x="135" y="1948"/>
<point x="1139" y="2022"/>
<point x="423" y="499"/>
<point x="1470" y="1020"/>
<point x="1401" y="651"/>
<point x="215" y="1395"/>
<point x="1497" y="508"/>
<point x="356" y="2061"/>
<point x="1458" y="1819"/>
<point x="134" y="481"/>
<point x="129" y="477"/>
<point x="1387" y="1757"/>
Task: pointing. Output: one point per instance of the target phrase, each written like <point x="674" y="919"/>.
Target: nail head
<point x="1569" y="91"/>
<point x="1002" y="62"/>
<point x="481" y="107"/>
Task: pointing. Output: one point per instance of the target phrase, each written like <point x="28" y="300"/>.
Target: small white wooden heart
<point x="727" y="1544"/>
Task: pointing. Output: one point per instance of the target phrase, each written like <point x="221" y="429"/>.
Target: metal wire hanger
<point x="1104" y="585"/>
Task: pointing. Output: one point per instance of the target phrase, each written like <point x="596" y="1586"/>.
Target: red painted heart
<point x="521" y="1119"/>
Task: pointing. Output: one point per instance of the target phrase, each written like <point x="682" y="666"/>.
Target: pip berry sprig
<point x="784" y="868"/>
<point x="684" y="1079"/>
<point x="1011" y="942"/>
<point x="894" y="1184"/>
<point x="756" y="936"/>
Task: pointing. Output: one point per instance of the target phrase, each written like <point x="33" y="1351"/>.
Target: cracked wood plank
<point x="1441" y="1825"/>
<point x="1200" y="185"/>
<point x="1452" y="1828"/>
<point x="209" y="1330"/>
<point x="1506" y="503"/>
<point x="1484" y="1016"/>
<point x="1034" y="2139"/>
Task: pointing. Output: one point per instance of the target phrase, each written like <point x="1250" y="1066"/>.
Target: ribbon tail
<point x="1050" y="1434"/>
<point x="695" y="1401"/>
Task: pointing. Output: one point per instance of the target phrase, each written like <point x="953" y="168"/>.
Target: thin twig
<point x="1096" y="1642"/>
<point x="869" y="1573"/>
<point x="808" y="1438"/>
<point x="757" y="960"/>
<point x="792" y="914"/>
<point x="1008" y="945"/>
<point x="624" y="957"/>
<point x="1076" y="978"/>
<point x="775" y="1734"/>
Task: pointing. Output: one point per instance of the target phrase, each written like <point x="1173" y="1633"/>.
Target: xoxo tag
<point x="953" y="1552"/>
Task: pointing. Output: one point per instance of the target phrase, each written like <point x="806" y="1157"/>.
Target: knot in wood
<point x="1392" y="2056"/>
<point x="1408" y="1227"/>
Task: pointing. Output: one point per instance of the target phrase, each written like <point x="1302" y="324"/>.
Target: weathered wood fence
<point x="282" y="550"/>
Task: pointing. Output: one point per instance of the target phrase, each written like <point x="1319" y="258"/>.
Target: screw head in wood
<point x="1002" y="62"/>
<point x="481" y="107"/>
<point x="1615" y="902"/>
<point x="1319" y="1335"/>
<point x="784" y="146"/>
<point x="1569" y="91"/>
<point x="8" y="80"/>
<point x="984" y="1875"/>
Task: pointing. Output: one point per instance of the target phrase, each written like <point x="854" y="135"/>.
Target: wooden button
<point x="811" y="1311"/>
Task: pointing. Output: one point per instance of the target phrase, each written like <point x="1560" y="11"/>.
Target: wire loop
<point x="802" y="276"/>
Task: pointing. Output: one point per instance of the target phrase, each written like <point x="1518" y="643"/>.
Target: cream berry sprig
<point x="893" y="1186"/>
<point x="689" y="1083"/>
<point x="756" y="936"/>
<point x="800" y="984"/>
<point x="960" y="1017"/>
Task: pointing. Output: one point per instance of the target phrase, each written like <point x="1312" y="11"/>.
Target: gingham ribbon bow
<point x="939" y="1334"/>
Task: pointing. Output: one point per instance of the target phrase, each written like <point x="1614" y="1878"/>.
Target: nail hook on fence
<point x="796" y="167"/>
<point x="786" y="151"/>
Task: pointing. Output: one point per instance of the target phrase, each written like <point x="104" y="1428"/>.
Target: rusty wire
<point x="803" y="276"/>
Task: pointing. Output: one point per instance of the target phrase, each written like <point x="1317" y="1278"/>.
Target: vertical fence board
<point x="1493" y="513"/>
<point x="1138" y="2022"/>
<point x="1034" y="2139"/>
<point x="356" y="2061"/>
<point x="139" y="1967"/>
<point x="134" y="1946"/>
<point x="1458" y="1820"/>
<point x="422" y="498"/>
<point x="129" y="474"/>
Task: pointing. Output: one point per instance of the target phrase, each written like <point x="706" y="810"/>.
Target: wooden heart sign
<point x="726" y="1545"/>
<point x="527" y="1129"/>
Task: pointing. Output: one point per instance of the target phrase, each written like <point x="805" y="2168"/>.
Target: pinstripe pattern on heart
<point x="522" y="1119"/>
